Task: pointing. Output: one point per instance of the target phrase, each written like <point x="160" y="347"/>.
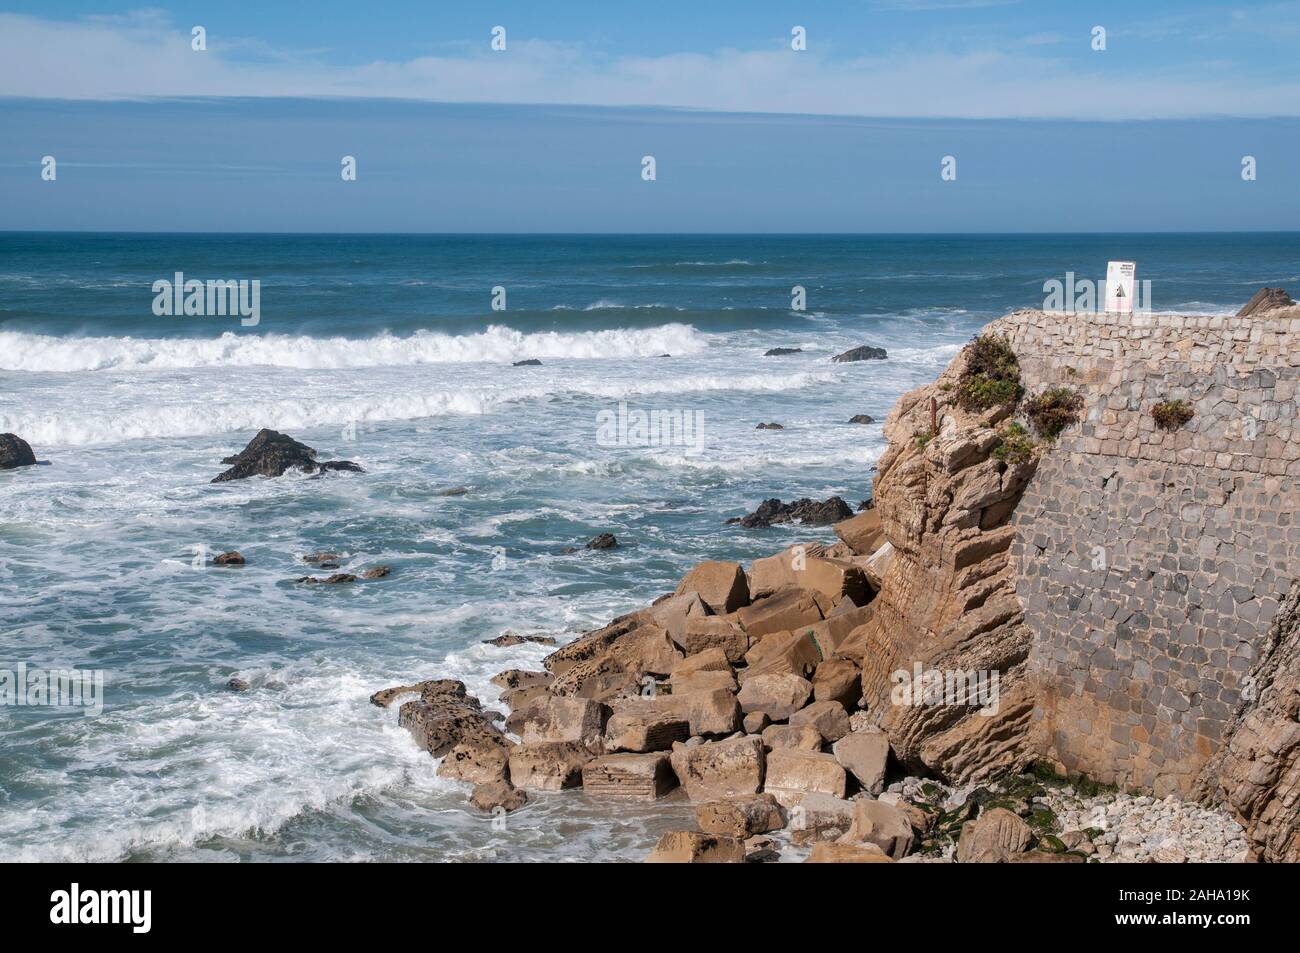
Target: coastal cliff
<point x="1089" y="514"/>
<point x="1128" y="582"/>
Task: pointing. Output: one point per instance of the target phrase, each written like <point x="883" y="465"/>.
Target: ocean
<point x="386" y="350"/>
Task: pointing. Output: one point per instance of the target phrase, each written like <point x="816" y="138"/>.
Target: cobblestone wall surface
<point x="1151" y="563"/>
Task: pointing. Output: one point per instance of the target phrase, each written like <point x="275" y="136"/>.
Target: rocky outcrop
<point x="272" y="454"/>
<point x="947" y="602"/>
<point x="1257" y="774"/>
<point x="15" y="452"/>
<point x="1266" y="299"/>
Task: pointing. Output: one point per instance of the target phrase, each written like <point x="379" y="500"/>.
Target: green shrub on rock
<point x="1053" y="410"/>
<point x="1014" y="444"/>
<point x="991" y="376"/>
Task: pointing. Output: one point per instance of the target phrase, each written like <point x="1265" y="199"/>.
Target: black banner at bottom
<point x="139" y="903"/>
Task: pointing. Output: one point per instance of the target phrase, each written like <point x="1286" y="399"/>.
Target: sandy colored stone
<point x="828" y="717"/>
<point x="548" y="765"/>
<point x="865" y="754"/>
<point x="794" y="772"/>
<point x="881" y="824"/>
<point x="862" y="532"/>
<point x="721" y="586"/>
<point x="831" y="852"/>
<point x="993" y="837"/>
<point x="742" y="816"/>
<point x="641" y="776"/>
<point x="693" y="847"/>
<point x="720" y="769"/>
<point x="777" y="696"/>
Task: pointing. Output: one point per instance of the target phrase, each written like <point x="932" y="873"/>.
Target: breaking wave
<point x="37" y="352"/>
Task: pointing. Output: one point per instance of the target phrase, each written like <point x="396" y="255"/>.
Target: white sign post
<point x="1119" y="286"/>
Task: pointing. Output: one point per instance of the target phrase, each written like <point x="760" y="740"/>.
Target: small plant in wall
<point x="1053" y="410"/>
<point x="1014" y="444"/>
<point x="1172" y="414"/>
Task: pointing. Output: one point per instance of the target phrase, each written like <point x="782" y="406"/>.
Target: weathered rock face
<point x="948" y="600"/>
<point x="272" y="454"/>
<point x="1257" y="774"/>
<point x="15" y="452"/>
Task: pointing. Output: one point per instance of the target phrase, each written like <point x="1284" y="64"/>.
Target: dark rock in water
<point x="376" y="572"/>
<point x="782" y="351"/>
<point x="531" y="362"/>
<point x="231" y="558"/>
<point x="453" y="491"/>
<point x="433" y="688"/>
<point x="331" y="580"/>
<point x="325" y="560"/>
<point x="603" y="541"/>
<point x="1266" y="299"/>
<point x="238" y="685"/>
<point x="863" y="353"/>
<point x="511" y="638"/>
<point x="862" y="419"/>
<point x="272" y="454"/>
<point x="771" y="426"/>
<point x="15" y="452"/>
<point x="806" y="511"/>
<point x="665" y="355"/>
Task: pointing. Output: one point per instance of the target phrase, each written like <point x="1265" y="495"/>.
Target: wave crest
<point x="20" y="351"/>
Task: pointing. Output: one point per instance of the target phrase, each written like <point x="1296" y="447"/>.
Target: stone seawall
<point x="1151" y="564"/>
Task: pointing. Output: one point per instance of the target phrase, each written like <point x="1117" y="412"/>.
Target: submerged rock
<point x="771" y="426"/>
<point x="862" y="419"/>
<point x="603" y="541"/>
<point x="511" y="638"/>
<point x="15" y="452"/>
<point x="231" y="558"/>
<point x="331" y="580"/>
<point x="531" y="362"/>
<point x="782" y="351"/>
<point x="272" y="454"/>
<point x="863" y="353"/>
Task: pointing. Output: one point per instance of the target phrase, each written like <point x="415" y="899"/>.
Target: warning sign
<point x="1119" y="286"/>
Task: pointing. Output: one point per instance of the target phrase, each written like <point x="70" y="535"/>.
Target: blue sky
<point x="847" y="135"/>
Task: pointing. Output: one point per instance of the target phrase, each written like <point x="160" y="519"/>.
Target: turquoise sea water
<point x="385" y="350"/>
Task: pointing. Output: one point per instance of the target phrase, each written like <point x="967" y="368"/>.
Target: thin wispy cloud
<point x="146" y="56"/>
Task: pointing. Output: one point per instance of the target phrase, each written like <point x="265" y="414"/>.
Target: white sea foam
<point x="251" y="407"/>
<point x="37" y="352"/>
